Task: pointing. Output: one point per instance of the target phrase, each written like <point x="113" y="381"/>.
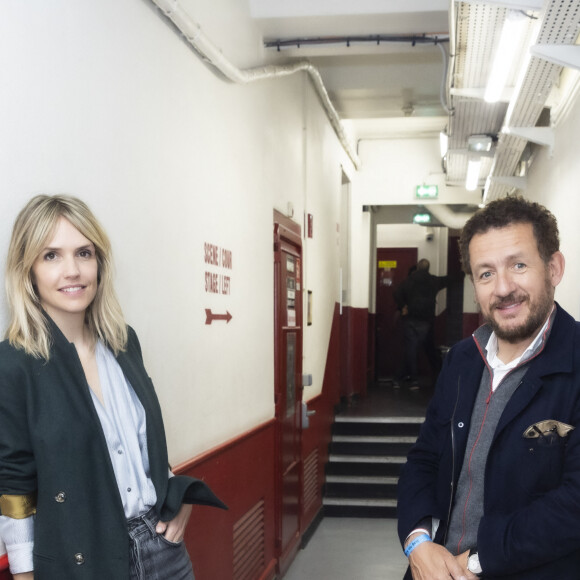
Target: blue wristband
<point x="418" y="540"/>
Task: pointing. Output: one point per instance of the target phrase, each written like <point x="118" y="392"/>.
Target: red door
<point x="288" y="385"/>
<point x="393" y="266"/>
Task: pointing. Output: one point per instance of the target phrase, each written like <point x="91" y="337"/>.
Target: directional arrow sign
<point x="210" y="316"/>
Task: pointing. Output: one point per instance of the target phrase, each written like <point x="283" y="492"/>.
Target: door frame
<point x="287" y="240"/>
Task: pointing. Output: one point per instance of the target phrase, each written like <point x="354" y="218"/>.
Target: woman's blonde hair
<point x="32" y="230"/>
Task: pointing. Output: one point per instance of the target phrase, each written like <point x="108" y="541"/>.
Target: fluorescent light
<point x="443" y="143"/>
<point x="509" y="44"/>
<point x="472" y="179"/>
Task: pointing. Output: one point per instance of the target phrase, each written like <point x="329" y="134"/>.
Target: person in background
<point x="491" y="488"/>
<point x="416" y="300"/>
<point x="85" y="488"/>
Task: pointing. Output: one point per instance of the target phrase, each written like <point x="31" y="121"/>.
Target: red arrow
<point x="210" y="316"/>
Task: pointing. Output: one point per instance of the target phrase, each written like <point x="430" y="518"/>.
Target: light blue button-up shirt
<point x="124" y="424"/>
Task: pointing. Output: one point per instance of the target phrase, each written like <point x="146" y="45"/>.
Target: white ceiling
<point x="309" y="8"/>
<point x="395" y="88"/>
<point x="366" y="80"/>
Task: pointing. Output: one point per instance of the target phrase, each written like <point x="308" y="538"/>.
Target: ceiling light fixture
<point x="479" y="143"/>
<point x="472" y="179"/>
<point x="507" y="49"/>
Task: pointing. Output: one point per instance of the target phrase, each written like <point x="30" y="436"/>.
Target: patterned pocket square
<point x="547" y="427"/>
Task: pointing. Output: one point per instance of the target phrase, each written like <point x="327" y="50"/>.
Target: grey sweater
<point x="489" y="405"/>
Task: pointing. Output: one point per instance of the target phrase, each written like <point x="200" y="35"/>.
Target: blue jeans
<point x="153" y="557"/>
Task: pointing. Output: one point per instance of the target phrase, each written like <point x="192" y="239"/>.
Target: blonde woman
<point x="85" y="489"/>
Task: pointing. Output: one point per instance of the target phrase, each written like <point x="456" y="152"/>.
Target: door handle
<point x="306" y="414"/>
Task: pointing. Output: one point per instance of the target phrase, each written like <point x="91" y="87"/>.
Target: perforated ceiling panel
<point x="559" y="25"/>
<point x="478" y="30"/>
<point x="478" y="27"/>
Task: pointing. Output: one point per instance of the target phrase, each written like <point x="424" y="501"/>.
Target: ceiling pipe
<point x="451" y="57"/>
<point x="299" y="42"/>
<point x="413" y="39"/>
<point x="443" y="93"/>
<point x="513" y="4"/>
<point x="205" y="47"/>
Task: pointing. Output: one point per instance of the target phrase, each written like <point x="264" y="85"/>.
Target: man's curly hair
<point x="507" y="211"/>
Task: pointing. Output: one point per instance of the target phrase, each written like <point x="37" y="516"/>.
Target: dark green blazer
<point x="52" y="446"/>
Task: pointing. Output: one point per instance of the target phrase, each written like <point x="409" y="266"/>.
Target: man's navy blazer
<point x="530" y="529"/>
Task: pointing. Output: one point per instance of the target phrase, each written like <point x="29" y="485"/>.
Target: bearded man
<point x="491" y="489"/>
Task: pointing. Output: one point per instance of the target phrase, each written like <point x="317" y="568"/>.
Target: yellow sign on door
<point x="387" y="264"/>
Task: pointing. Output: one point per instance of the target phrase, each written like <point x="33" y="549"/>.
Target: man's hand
<point x="430" y="561"/>
<point x="174" y="529"/>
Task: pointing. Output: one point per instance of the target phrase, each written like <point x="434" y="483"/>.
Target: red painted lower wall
<point x="241" y="473"/>
<point x="371" y="347"/>
<point x="316" y="439"/>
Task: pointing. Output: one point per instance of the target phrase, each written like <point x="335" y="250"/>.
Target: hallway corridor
<point x="362" y="548"/>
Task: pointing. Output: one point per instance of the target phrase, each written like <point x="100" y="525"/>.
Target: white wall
<point x="553" y="182"/>
<point x="393" y="168"/>
<point x="360" y="255"/>
<point x="321" y="252"/>
<point x="105" y="101"/>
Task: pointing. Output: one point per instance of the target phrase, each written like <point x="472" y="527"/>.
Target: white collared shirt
<point x="500" y="370"/>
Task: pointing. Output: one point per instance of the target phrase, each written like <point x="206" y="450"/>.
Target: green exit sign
<point x="422" y="218"/>
<point x="427" y="191"/>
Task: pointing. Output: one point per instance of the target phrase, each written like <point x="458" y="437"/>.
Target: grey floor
<point x="383" y="400"/>
<point x="351" y="549"/>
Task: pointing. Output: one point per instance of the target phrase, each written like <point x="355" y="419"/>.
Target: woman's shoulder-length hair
<point x="28" y="327"/>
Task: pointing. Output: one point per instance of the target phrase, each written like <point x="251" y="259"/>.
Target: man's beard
<point x="539" y="312"/>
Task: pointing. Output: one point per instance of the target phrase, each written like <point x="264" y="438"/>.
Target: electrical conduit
<point x="208" y="50"/>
